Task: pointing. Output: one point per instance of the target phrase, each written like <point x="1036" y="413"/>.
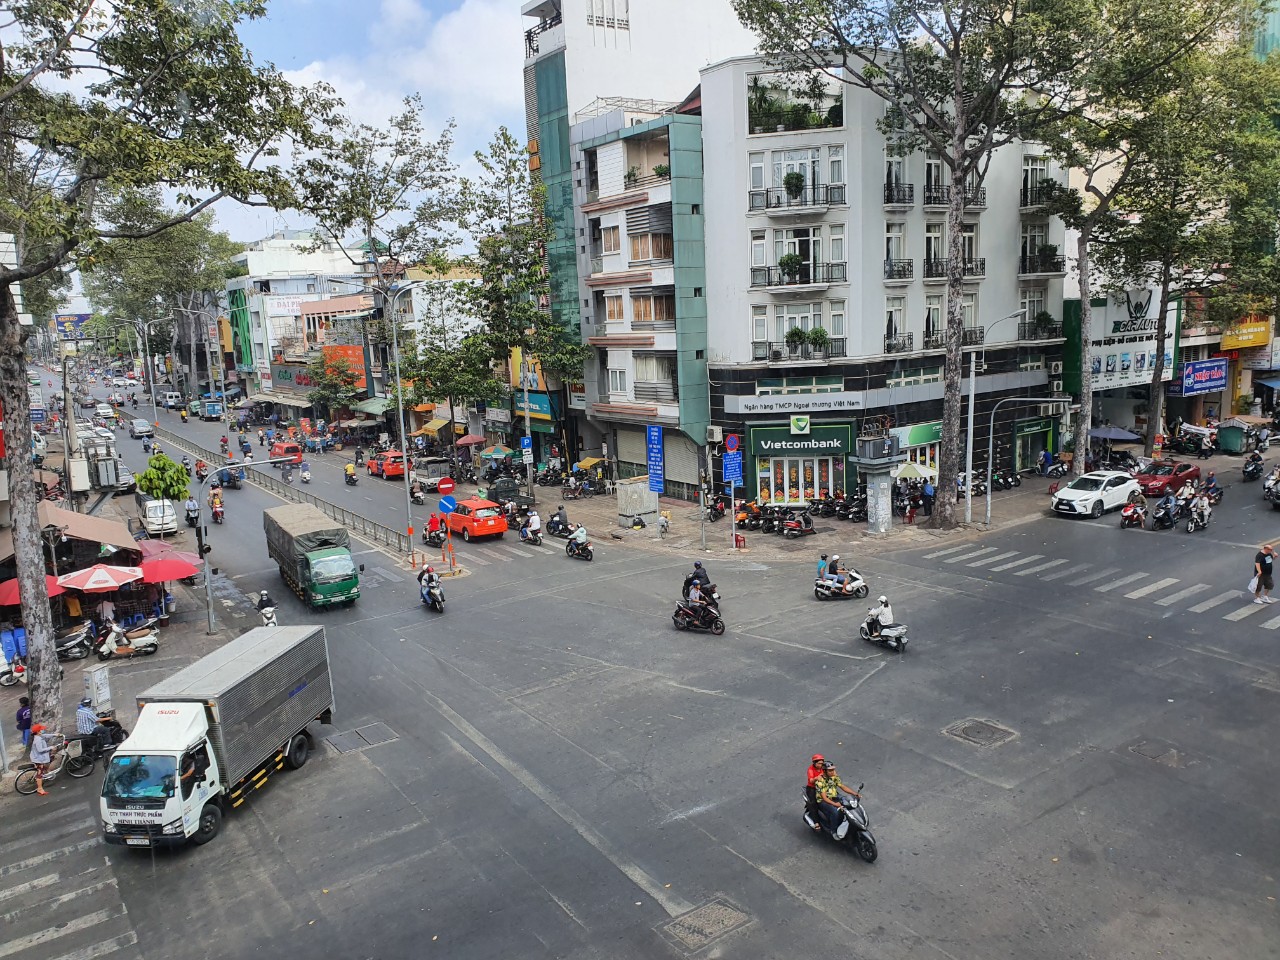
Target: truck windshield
<point x="140" y="777"/>
<point x="331" y="569"/>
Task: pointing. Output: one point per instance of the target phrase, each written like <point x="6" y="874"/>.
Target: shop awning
<point x="376" y="406"/>
<point x="79" y="526"/>
<point x="288" y="400"/>
<point x="586" y="463"/>
<point x="434" y="426"/>
<point x="1272" y="382"/>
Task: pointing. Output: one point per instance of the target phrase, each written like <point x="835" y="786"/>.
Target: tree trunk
<point x="1085" y="418"/>
<point x="944" y="513"/>
<point x="44" y="677"/>
<point x="1155" y="405"/>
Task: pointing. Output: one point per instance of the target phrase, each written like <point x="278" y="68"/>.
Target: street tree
<point x="97" y="98"/>
<point x="163" y="479"/>
<point x="1136" y="99"/>
<point x="333" y="384"/>
<point x="960" y="79"/>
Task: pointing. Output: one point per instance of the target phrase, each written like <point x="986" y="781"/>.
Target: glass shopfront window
<point x="800" y="462"/>
<point x="796" y="480"/>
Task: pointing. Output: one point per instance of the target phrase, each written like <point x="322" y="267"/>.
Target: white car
<point x="1094" y="493"/>
<point x="119" y="382"/>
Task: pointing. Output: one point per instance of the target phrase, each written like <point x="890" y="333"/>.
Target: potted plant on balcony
<point x="789" y="264"/>
<point x="631" y="176"/>
<point x="662" y="170"/>
<point x="819" y="340"/>
<point x="793" y="183"/>
<point x="1047" y="252"/>
<point x="796" y="339"/>
<point x="1042" y="322"/>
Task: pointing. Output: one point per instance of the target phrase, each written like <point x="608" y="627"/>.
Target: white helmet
<point x="882" y="599"/>
<point x="262" y="593"/>
<point x="835" y="556"/>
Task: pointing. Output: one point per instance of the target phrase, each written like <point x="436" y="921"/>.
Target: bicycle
<point x="68" y="754"/>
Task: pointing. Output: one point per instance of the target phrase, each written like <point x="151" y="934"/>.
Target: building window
<point x="1031" y="299"/>
<point x="969" y="309"/>
<point x="778" y="387"/>
<point x="835" y="164"/>
<point x="609" y="241"/>
<point x="895" y="167"/>
<point x="651" y="246"/>
<point x="1034" y="169"/>
<point x="613" y="307"/>
<point x="651" y="368"/>
<point x="1034" y="236"/>
<point x="756" y="162"/>
<point x="835" y="323"/>
<point x="895" y="312"/>
<point x="969" y="242"/>
<point x="758" y="256"/>
<point x="836" y="233"/>
<point x="804" y="162"/>
<point x="914" y="377"/>
<point x="933" y="322"/>
<point x="895" y="241"/>
<point x="935" y="241"/>
<point x="804" y="241"/>
<point x="760" y="323"/>
<point x="617" y="381"/>
<point x="806" y="316"/>
<point x="933" y="171"/>
<point x="647" y="309"/>
<point x="796" y="480"/>
<point x="1034" y="361"/>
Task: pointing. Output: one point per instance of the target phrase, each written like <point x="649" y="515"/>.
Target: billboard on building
<point x="1250" y="332"/>
<point x="69" y="325"/>
<point x="353" y="355"/>
<point x="1123" y="349"/>
<point x="1200" y="376"/>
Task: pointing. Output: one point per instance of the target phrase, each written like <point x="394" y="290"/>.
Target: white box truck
<point x="213" y="733"/>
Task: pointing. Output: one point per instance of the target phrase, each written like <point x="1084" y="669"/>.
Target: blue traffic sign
<point x="731" y="443"/>
<point x="526" y="443"/>
<point x="448" y="504"/>
<point x="654" y="454"/>
<point x="732" y="466"/>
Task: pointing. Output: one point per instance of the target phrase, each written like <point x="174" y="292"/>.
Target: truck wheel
<point x="299" y="750"/>
<point x="210" y="824"/>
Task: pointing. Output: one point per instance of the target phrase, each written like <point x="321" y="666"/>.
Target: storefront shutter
<point x="631" y="448"/>
<point x="681" y="457"/>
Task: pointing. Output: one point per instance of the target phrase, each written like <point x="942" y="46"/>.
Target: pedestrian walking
<point x="24" y="719"/>
<point x="1262" y="583"/>
<point x="929" y="494"/>
<point x="262" y="437"/>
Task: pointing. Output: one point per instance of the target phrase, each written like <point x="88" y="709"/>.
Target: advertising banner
<point x="68" y="325"/>
<point x="353" y="355"/>
<point x="1250" y="332"/>
<point x="1123" y="350"/>
<point x="1200" y="376"/>
<point x="655" y="457"/>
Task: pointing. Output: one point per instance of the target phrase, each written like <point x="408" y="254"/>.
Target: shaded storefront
<point x="799" y="461"/>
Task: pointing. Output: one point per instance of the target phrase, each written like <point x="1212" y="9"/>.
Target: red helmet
<point x="817" y="758"/>
<point x="431" y="569"/>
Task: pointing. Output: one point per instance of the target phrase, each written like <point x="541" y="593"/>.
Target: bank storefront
<point x="799" y="461"/>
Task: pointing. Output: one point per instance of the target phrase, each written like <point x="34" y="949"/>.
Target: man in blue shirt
<point x="88" y="724"/>
<point x="929" y="494"/>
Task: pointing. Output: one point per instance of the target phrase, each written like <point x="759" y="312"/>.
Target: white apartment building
<point x="814" y="222"/>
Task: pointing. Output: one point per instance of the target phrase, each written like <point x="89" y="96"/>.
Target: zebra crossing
<point x="58" y="894"/>
<point x="1162" y="591"/>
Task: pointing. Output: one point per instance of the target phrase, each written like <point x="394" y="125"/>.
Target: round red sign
<point x="446" y="485"/>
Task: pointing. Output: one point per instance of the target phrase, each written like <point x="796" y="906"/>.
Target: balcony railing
<point x="934" y="269"/>
<point x="1031" y="330"/>
<point x="597" y="265"/>
<point x="937" y="269"/>
<point x="783" y="353"/>
<point x="807" y="274"/>
<point x="975" y="196"/>
<point x="531" y="35"/>
<point x="653" y="326"/>
<point x="1042" y="264"/>
<point x="973" y="336"/>
<point x="1036" y="196"/>
<point x="793" y="117"/>
<point x="936" y="195"/>
<point x="660" y="391"/>
<point x="899" y="194"/>
<point x="977" y="267"/>
<point x="812" y="195"/>
<point x="899" y="269"/>
<point x="899" y="343"/>
<point x="936" y="340"/>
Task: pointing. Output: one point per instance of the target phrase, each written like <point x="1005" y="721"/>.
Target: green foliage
<point x="661" y="170"/>
<point x="333" y="384"/>
<point x="818" y="338"/>
<point x="164" y="479"/>
<point x="793" y="183"/>
<point x="796" y="338"/>
<point x="790" y="264"/>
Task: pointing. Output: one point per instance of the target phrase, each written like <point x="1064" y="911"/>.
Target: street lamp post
<point x="968" y="450"/>
<point x="991" y="437"/>
<point x="397" y="293"/>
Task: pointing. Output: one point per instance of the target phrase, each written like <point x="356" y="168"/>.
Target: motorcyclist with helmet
<point x="579" y="538"/>
<point x="828" y="788"/>
<point x="817" y="764"/>
<point x="881" y="615"/>
<point x="428" y="579"/>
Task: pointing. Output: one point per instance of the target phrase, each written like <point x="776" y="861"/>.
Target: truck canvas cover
<point x="260" y="689"/>
<point x="299" y="529"/>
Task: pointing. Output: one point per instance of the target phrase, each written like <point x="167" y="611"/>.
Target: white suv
<point x="1094" y="493"/>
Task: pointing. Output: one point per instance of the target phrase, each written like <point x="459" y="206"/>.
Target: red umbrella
<point x="192" y="558"/>
<point x="469" y="440"/>
<point x="166" y="567"/>
<point x="151" y="548"/>
<point x="100" y="578"/>
<point x="9" y="590"/>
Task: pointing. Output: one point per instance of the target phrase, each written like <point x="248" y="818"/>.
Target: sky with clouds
<point x="464" y="57"/>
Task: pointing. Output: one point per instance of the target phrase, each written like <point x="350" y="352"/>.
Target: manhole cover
<point x="1161" y="751"/>
<point x="702" y="925"/>
<point x="984" y="733"/>
<point x="367" y="736"/>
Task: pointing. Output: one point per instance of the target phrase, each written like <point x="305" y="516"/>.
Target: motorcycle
<point x="202" y="471"/>
<point x="709" y="590"/>
<point x="352" y="479"/>
<point x="306" y="477"/>
<point x="1215" y="496"/>
<point x="829" y="588"/>
<point x="530" y="536"/>
<point x="183" y="414"/>
<point x="75" y="643"/>
<point x="891" y="637"/>
<point x="858" y="835"/>
<point x="1133" y="515"/>
<point x="1196" y="522"/>
<point x="217" y="512"/>
<point x="93" y="748"/>
<point x="558" y="529"/>
<point x="114" y="641"/>
<point x="1253" y="470"/>
<point x="432" y="596"/>
<point x="268" y="615"/>
<point x="433" y="538"/>
<point x="12" y="672"/>
<point x="688" y="616"/>
<point x="418" y="496"/>
<point x="223" y="448"/>
<point x="748" y="516"/>
<point x="717" y="508"/>
<point x="193" y="516"/>
<point x="1163" y="518"/>
<point x="798" y="525"/>
<point x="583" y="552"/>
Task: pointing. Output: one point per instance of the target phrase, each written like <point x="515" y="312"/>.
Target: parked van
<point x="171" y="399"/>
<point x="157" y="516"/>
<point x="287" y="448"/>
<point x="429" y="470"/>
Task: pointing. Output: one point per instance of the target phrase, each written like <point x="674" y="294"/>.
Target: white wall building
<point x="813" y="222"/>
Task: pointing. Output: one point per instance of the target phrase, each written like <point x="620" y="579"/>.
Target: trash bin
<point x="739" y="541"/>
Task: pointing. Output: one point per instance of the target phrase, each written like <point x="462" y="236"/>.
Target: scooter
<point x="1253" y="470"/>
<point x="268" y="615"/>
<point x="798" y="525"/>
<point x="1215" y="496"/>
<point x="1195" y="522"/>
<point x="530" y="536"/>
<point x="114" y="641"/>
<point x="716" y="508"/>
<point x="12" y="672"/>
<point x="433" y="538"/>
<point x="306" y="476"/>
<point x="583" y="552"/>
<point x="1133" y="515"/>
<point x="183" y="414"/>
<point x="419" y="497"/>
<point x="352" y="479"/>
<point x="686" y="617"/>
<point x="76" y="643"/>
<point x="853" y="829"/>
<point x="828" y="588"/>
<point x="432" y="596"/>
<point x="1162" y="518"/>
<point x="558" y="529"/>
<point x="891" y="637"/>
<point x="217" y="512"/>
<point x="202" y="471"/>
<point x="193" y="517"/>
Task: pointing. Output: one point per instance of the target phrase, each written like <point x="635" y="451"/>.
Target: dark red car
<point x="1167" y="476"/>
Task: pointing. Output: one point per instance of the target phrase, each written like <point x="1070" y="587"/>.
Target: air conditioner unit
<point x="1055" y="368"/>
<point x="715" y="434"/>
<point x="1048" y="409"/>
<point x="1055" y="386"/>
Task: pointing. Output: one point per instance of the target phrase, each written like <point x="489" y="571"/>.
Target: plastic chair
<point x="131" y="621"/>
<point x="7" y="645"/>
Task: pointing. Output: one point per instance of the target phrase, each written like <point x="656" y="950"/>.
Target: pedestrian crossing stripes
<point x="1135" y="585"/>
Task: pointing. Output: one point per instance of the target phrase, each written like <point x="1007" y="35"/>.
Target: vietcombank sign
<point x="767" y="442"/>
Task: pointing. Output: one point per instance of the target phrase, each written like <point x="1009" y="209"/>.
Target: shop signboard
<point x="263" y="369"/>
<point x="1257" y="358"/>
<point x="68" y="325"/>
<point x="1123" y="350"/>
<point x="577" y="396"/>
<point x="1042" y="425"/>
<point x="354" y="357"/>
<point x="918" y="434"/>
<point x="286" y="306"/>
<point x="1250" y="332"/>
<point x="291" y="376"/>
<point x="655" y="457"/>
<point x="539" y="405"/>
<point x="1200" y="376"/>
<point x="823" y="441"/>
<point x="792" y="403"/>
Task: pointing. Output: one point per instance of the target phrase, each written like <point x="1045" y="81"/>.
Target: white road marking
<point x="1116" y="584"/>
<point x="943" y="553"/>
<point x="1271" y="624"/>
<point x="9" y="869"/>
<point x="1040" y="566"/>
<point x="101" y="949"/>
<point x="1190" y="591"/>
<point x="1029" y="558"/>
<point x="999" y="556"/>
<point x="1216" y="601"/>
<point x="1098" y="575"/>
<point x="1059" y="574"/>
<point x="1152" y="588"/>
<point x="72" y="924"/>
<point x="969" y="556"/>
<point x="1246" y="611"/>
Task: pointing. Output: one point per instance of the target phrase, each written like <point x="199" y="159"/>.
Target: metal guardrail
<point x="354" y="522"/>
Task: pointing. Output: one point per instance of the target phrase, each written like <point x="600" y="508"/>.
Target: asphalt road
<point x="569" y="777"/>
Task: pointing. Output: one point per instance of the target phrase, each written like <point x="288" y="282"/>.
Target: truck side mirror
<point x="362" y="568"/>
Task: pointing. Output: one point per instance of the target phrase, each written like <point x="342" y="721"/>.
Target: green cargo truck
<point x="314" y="554"/>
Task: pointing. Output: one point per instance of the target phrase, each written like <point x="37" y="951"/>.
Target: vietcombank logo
<point x="783" y="446"/>
<point x="799" y="425"/>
